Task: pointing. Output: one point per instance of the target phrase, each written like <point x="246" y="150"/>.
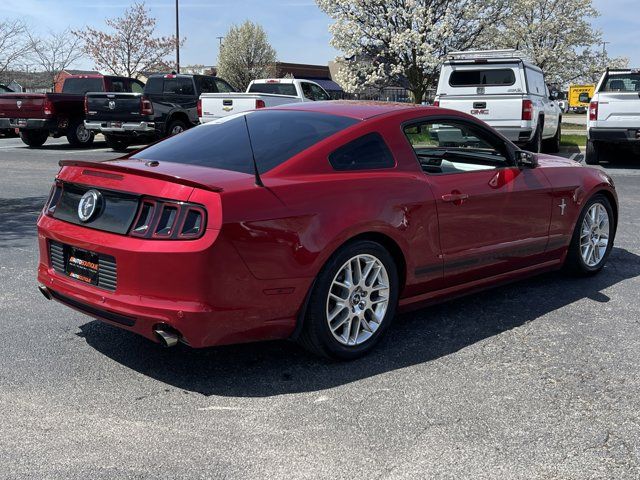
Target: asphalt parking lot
<point x="534" y="380"/>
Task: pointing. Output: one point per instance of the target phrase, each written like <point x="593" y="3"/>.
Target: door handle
<point x="456" y="198"/>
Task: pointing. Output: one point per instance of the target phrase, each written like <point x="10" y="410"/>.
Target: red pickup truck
<point x="39" y="115"/>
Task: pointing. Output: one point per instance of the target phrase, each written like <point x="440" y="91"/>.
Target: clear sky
<point x="297" y="29"/>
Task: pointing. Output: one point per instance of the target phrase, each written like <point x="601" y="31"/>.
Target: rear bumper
<point x="200" y="288"/>
<point x="516" y="134"/>
<point x="28" y="123"/>
<point x="147" y="128"/>
<point x="615" y="135"/>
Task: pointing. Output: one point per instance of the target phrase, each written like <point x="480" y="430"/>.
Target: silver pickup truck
<point x="614" y="114"/>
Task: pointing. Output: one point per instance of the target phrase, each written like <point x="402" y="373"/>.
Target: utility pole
<point x="220" y="40"/>
<point x="177" y="38"/>
<point x="604" y="52"/>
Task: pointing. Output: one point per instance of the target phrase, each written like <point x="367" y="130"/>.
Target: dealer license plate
<point x="82" y="265"/>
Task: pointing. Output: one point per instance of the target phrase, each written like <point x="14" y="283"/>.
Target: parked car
<point x="268" y="92"/>
<point x="506" y="91"/>
<point x="313" y="221"/>
<point x="39" y="115"/>
<point x="167" y="106"/>
<point x="7" y="132"/>
<point x="577" y="96"/>
<point x="614" y="114"/>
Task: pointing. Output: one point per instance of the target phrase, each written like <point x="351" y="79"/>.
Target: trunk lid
<point x="22" y="105"/>
<point x="114" y="107"/>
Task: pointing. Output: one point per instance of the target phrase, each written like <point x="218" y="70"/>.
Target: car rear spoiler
<point x="105" y="165"/>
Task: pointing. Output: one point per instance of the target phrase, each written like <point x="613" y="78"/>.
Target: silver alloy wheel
<point x="177" y="129"/>
<point x="358" y="299"/>
<point x="83" y="134"/>
<point x="594" y="235"/>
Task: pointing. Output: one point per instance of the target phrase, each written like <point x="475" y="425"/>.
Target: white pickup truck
<point x="268" y="92"/>
<point x="614" y="114"/>
<point x="506" y="91"/>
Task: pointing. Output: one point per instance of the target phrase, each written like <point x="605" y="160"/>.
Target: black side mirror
<point x="526" y="159"/>
<point x="552" y="96"/>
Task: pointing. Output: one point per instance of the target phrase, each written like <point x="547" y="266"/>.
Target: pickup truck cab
<point x="614" y="114"/>
<point x="505" y="90"/>
<point x="268" y="92"/>
<point x="39" y="115"/>
<point x="168" y="105"/>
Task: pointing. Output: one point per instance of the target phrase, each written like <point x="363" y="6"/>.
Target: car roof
<point x="358" y="109"/>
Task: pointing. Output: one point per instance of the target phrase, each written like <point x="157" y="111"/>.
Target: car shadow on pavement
<point x="18" y="218"/>
<point x="275" y="368"/>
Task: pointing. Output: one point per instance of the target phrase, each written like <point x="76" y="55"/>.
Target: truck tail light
<point x="436" y="103"/>
<point x="48" y="107"/>
<point x="593" y="111"/>
<point x="162" y="220"/>
<point x="86" y="105"/>
<point x="260" y="104"/>
<point x="527" y="110"/>
<point x="199" y="108"/>
<point x="146" y="107"/>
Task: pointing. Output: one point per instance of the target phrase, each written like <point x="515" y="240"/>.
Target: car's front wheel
<point x="592" y="237"/>
<point x="78" y="135"/>
<point x="352" y="303"/>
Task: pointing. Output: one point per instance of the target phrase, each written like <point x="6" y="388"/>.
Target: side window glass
<point x="306" y="91"/>
<point x="318" y="93"/>
<point x="223" y="87"/>
<point x="137" y="87"/>
<point x="365" y="153"/>
<point x="185" y="86"/>
<point x="154" y="85"/>
<point x="450" y="147"/>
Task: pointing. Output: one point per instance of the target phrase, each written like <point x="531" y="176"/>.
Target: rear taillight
<point x="163" y="220"/>
<point x="527" y="110"/>
<point x="54" y="198"/>
<point x="146" y="107"/>
<point x="260" y="104"/>
<point x="48" y="107"/>
<point x="199" y="108"/>
<point x="593" y="111"/>
<point x="436" y="103"/>
<point x="86" y="105"/>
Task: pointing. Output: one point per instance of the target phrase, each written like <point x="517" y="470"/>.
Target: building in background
<point x="321" y="74"/>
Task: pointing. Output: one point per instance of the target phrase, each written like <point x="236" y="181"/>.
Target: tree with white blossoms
<point x="558" y="36"/>
<point x="245" y="54"/>
<point x="385" y="41"/>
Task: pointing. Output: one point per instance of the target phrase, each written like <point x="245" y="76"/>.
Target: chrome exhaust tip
<point x="44" y="291"/>
<point x="168" y="339"/>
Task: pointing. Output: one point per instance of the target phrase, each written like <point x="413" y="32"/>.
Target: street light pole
<point x="177" y="38"/>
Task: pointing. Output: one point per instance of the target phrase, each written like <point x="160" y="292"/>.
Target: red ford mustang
<point x="313" y="222"/>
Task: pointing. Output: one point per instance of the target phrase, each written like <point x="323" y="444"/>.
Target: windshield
<point x="276" y="136"/>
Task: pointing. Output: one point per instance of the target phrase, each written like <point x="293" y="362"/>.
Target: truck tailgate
<point x="619" y="109"/>
<point x="217" y="105"/>
<point x="114" y="106"/>
<point x="496" y="110"/>
<point x="22" y="105"/>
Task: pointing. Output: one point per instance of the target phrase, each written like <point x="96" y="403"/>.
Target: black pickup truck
<point x="167" y="106"/>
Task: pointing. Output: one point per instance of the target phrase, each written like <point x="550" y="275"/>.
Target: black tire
<point x="78" y="135"/>
<point x="552" y="145"/>
<point x="535" y="145"/>
<point x="592" y="155"/>
<point x="316" y="335"/>
<point x="117" y="144"/>
<point x="574" y="262"/>
<point x="174" y="126"/>
<point x="34" y="138"/>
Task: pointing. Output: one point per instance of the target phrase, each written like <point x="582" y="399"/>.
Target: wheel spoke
<point x="357" y="272"/>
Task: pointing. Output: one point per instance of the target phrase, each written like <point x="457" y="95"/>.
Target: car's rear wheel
<point x="592" y="237"/>
<point x="34" y="138"/>
<point x="352" y="303"/>
<point x="176" y="127"/>
<point x="78" y="135"/>
<point x="592" y="154"/>
<point x="117" y="144"/>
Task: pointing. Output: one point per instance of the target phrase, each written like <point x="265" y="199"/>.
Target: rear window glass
<point x="482" y="77"/>
<point x="367" y="152"/>
<point x="154" y="85"/>
<point x="276" y="88"/>
<point x="82" y="85"/>
<point x="627" y="82"/>
<point x="276" y="136"/>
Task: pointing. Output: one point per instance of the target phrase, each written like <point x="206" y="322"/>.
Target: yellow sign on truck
<point x="575" y="92"/>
